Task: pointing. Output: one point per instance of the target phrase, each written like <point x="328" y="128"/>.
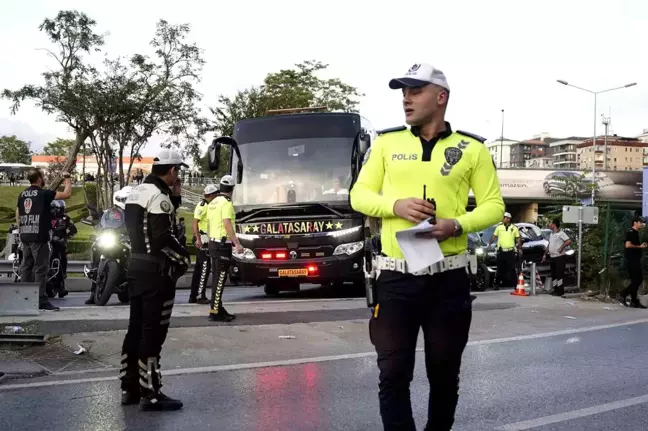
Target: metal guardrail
<point x="74" y="266"/>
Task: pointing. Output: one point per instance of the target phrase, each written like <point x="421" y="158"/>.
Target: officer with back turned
<point x="412" y="175"/>
<point x="34" y="220"/>
<point x="222" y="239"/>
<point x="201" y="240"/>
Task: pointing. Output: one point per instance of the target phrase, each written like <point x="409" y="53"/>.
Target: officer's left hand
<point x="443" y="229"/>
<point x="177" y="188"/>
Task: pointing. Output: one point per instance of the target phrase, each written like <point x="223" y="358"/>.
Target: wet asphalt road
<point x="230" y="294"/>
<point x="502" y="384"/>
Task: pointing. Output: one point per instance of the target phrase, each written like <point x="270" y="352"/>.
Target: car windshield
<point x="530" y="232"/>
<point x="112" y="218"/>
<point x="295" y="159"/>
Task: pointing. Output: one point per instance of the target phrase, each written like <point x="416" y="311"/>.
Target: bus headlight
<point x="348" y="249"/>
<point x="247" y="254"/>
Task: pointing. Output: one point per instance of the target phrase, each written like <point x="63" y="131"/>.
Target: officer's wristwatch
<point x="458" y="230"/>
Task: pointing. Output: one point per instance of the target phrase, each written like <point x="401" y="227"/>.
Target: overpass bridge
<point x="529" y="192"/>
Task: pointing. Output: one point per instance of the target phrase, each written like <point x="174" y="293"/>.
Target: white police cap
<point x="227" y="180"/>
<point x="210" y="189"/>
<point x="169" y="157"/>
<point x="419" y="75"/>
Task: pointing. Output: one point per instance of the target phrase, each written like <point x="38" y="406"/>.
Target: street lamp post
<point x="502" y="140"/>
<point x="595" y="93"/>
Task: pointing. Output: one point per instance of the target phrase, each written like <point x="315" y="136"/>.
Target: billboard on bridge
<point x="542" y="184"/>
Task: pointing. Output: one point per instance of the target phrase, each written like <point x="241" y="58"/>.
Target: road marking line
<point x="297" y="361"/>
<point x="574" y="414"/>
<point x="553" y="334"/>
<point x="259" y="303"/>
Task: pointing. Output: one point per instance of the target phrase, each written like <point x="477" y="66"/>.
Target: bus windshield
<point x="296" y="159"/>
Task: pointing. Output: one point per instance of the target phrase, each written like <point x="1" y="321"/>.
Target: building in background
<point x="563" y="152"/>
<point x="539" y="163"/>
<point x="42" y="161"/>
<point x="623" y="154"/>
<point x="527" y="150"/>
<point x="500" y="150"/>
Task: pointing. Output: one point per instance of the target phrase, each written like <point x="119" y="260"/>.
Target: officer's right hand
<point x="239" y="249"/>
<point x="414" y="209"/>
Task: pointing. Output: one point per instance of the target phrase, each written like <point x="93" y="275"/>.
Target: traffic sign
<point x="588" y="215"/>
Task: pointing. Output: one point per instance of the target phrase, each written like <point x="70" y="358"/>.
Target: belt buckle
<point x="400" y="265"/>
<point x="391" y="264"/>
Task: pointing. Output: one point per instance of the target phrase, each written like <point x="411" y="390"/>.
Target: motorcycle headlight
<point x="491" y="254"/>
<point x="247" y="254"/>
<point x="348" y="249"/>
<point x="569" y="252"/>
<point x="479" y="251"/>
<point x="107" y="240"/>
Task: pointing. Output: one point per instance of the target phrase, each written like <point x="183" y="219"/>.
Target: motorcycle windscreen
<point x="113" y="218"/>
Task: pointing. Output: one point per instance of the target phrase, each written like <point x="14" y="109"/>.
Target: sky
<point x="496" y="55"/>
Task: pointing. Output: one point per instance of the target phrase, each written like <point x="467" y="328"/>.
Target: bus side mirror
<point x="239" y="172"/>
<point x="213" y="155"/>
<point x="363" y="143"/>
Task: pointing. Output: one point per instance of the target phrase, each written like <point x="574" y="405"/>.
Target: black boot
<point x="152" y="399"/>
<point x="129" y="381"/>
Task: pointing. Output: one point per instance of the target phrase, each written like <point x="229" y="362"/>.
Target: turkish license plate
<point x="293" y="272"/>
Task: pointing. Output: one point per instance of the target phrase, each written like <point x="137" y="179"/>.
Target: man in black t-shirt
<point x="633" y="254"/>
<point x="34" y="221"/>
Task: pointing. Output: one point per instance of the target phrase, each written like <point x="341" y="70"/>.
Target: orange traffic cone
<point x="519" y="289"/>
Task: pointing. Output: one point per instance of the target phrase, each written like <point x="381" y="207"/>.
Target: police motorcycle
<point x="110" y="254"/>
<point x="62" y="229"/>
<point x="479" y="273"/>
<point x="15" y="257"/>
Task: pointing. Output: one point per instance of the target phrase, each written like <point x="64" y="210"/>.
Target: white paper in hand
<point x="419" y="252"/>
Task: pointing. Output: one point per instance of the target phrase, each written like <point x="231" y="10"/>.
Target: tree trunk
<point x="79" y="139"/>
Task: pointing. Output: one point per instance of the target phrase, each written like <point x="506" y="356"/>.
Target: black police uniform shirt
<point x="150" y="221"/>
<point x="34" y="214"/>
<point x="633" y="254"/>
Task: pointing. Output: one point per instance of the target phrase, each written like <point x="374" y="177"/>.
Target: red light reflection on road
<point x="288" y="395"/>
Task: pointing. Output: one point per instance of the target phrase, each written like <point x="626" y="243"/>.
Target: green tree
<point x="14" y="150"/>
<point x="299" y="87"/>
<point x="59" y="147"/>
<point x="70" y="90"/>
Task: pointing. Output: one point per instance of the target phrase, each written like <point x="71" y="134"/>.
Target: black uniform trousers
<point x="151" y="303"/>
<point x="221" y="255"/>
<point x="506" y="268"/>
<point x="201" y="273"/>
<point x="636" y="278"/>
<point x="557" y="266"/>
<point x="440" y="304"/>
<point x="35" y="265"/>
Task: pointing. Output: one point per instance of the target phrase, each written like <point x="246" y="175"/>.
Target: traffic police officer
<point x="156" y="262"/>
<point x="409" y="176"/>
<point x="34" y="220"/>
<point x="201" y="240"/>
<point x="222" y="237"/>
<point x="508" y="238"/>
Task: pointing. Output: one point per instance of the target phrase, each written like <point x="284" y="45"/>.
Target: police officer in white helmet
<point x="157" y="260"/>
<point x="222" y="239"/>
<point x="201" y="240"/>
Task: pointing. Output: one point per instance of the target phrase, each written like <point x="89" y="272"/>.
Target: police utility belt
<point x="385" y="263"/>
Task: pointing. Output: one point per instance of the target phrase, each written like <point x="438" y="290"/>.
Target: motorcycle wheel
<point x="107" y="283"/>
<point x="480" y="281"/>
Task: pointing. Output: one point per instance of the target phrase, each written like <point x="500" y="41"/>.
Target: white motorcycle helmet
<point x="119" y="198"/>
